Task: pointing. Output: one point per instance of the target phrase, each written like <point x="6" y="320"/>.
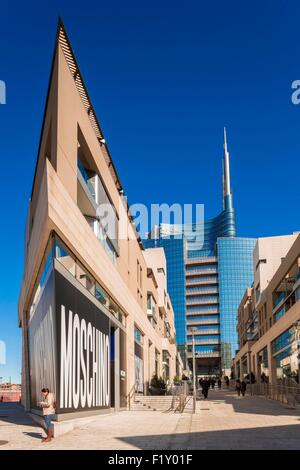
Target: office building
<point x="218" y="267"/>
<point x="269" y="313"/>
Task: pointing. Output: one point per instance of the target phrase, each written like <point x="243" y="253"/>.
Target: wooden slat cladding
<point x="72" y="64"/>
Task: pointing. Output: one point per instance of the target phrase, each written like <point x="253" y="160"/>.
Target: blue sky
<point x="164" y="77"/>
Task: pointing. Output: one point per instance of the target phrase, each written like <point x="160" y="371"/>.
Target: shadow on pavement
<point x="36" y="435"/>
<point x="14" y="413"/>
<point x="249" y="404"/>
<point x="275" y="437"/>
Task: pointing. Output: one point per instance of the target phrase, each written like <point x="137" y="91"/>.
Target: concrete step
<point x="152" y="403"/>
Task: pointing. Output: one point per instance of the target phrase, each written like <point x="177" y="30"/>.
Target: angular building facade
<point x="97" y="321"/>
<point x="269" y="315"/>
<point x="216" y="275"/>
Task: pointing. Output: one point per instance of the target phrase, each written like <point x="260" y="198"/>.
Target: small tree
<point x="157" y="382"/>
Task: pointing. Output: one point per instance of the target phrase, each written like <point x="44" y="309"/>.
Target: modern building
<point x="269" y="312"/>
<point x="10" y="392"/>
<point x="206" y="281"/>
<point x="97" y="321"/>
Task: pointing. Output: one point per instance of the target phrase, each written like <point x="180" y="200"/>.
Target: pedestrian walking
<point x="48" y="405"/>
<point x="243" y="388"/>
<point x="238" y="387"/>
<point x="205" y="387"/>
<point x="219" y="383"/>
<point x="226" y="380"/>
<point x="213" y="383"/>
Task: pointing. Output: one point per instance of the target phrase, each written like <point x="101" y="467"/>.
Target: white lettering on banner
<point x="82" y="381"/>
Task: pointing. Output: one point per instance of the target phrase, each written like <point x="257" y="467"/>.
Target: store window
<point x="64" y="257"/>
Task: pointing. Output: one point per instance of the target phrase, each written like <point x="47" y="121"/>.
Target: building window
<point x="282" y="351"/>
<point x="157" y="362"/>
<point x="85" y="278"/>
<point x="68" y="260"/>
<point x="101" y="295"/>
<point x="257" y="293"/>
<point x="63" y="255"/>
<point x="138" y="336"/>
<point x="138" y="272"/>
<point x="45" y="268"/>
<point x="95" y="204"/>
<point x="166" y="366"/>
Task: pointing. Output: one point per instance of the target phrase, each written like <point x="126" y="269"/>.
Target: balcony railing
<point x="202" y="312"/>
<point x="203" y="341"/>
<point x="213" y="321"/>
<point x="215" y="331"/>
<point x="199" y="291"/>
<point x="205" y="354"/>
<point x="88" y="179"/>
<point x="195" y="272"/>
<point x="210" y="301"/>
<point x="151" y="314"/>
<point x="210" y="259"/>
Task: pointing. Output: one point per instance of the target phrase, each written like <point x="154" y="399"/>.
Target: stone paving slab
<point x="223" y="421"/>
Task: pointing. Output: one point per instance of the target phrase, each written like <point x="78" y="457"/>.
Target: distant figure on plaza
<point x="48" y="405"/>
<point x="205" y="387"/>
<point x="243" y="387"/>
<point x="200" y="382"/>
<point x="219" y="383"/>
<point x="238" y="387"/>
<point x="213" y="383"/>
<point x="226" y="380"/>
<point x="264" y="378"/>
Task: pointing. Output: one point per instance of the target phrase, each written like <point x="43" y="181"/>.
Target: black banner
<point x="69" y="348"/>
<point x="83" y="350"/>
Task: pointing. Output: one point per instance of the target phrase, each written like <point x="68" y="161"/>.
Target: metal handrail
<point x="130" y="396"/>
<point x="287" y="394"/>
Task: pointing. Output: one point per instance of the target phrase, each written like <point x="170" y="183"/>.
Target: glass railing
<point x="89" y="180"/>
<point x="69" y="261"/>
<point x="279" y="297"/>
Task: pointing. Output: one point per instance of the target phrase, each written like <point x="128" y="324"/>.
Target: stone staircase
<point x="153" y="403"/>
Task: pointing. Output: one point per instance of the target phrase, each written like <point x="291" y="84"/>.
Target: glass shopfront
<point x="138" y="360"/>
<point x="285" y="354"/>
<point x="263" y="365"/>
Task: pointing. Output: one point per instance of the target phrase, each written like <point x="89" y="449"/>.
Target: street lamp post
<point x="194" y="371"/>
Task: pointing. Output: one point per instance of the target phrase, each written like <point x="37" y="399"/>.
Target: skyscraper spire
<point x="226" y="165"/>
<point x="226" y="173"/>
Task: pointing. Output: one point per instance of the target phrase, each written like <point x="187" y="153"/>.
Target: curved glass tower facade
<point x="218" y="268"/>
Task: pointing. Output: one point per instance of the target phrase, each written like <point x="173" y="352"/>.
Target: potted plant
<point x="177" y="380"/>
<point x="157" y="386"/>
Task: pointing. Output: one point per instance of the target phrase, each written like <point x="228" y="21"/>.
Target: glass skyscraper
<point x="235" y="274"/>
<point x="211" y="278"/>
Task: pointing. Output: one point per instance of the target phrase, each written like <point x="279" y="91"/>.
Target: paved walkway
<point x="224" y="421"/>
